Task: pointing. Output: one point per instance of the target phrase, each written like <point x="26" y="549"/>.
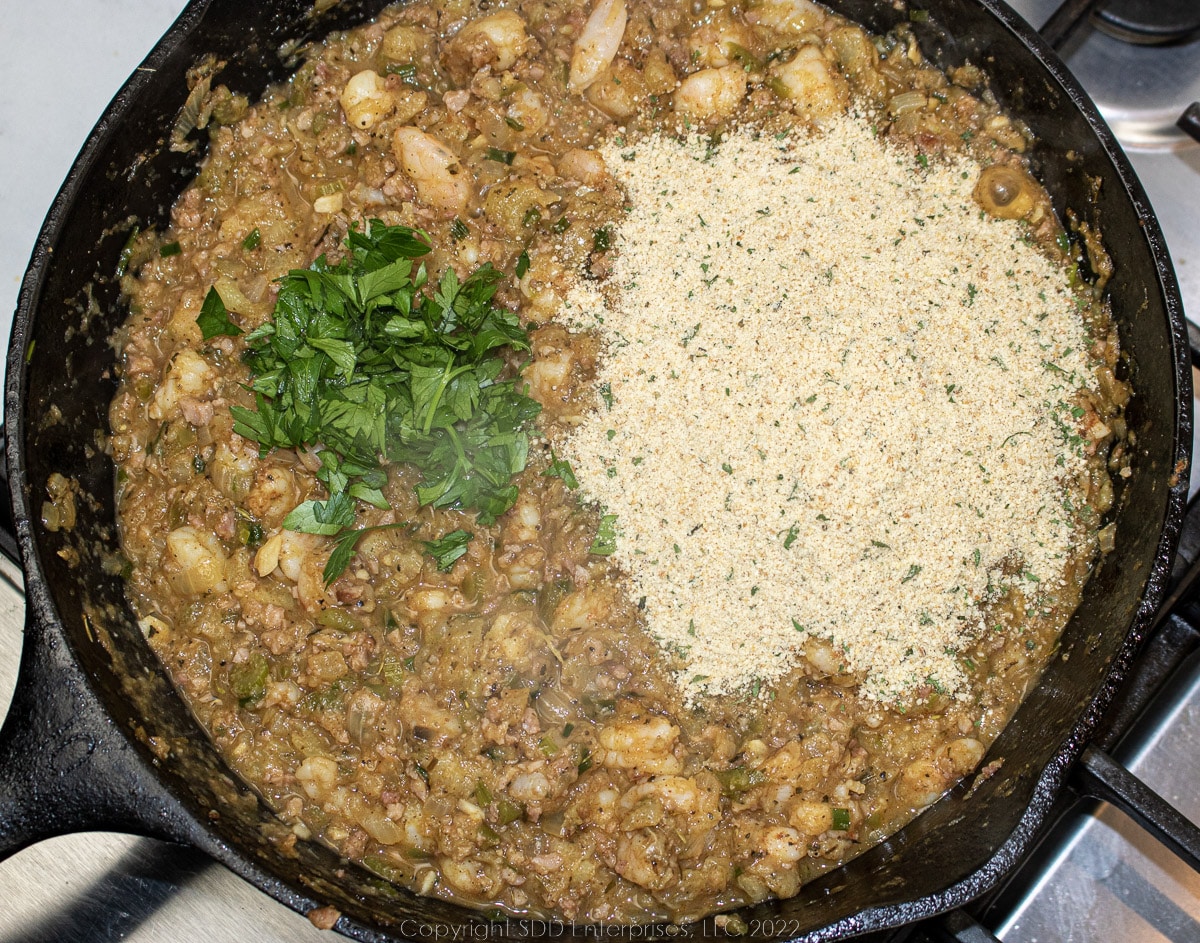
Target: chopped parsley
<point x="606" y="536"/>
<point x="214" y="318"/>
<point x="447" y="550"/>
<point x="561" y="468"/>
<point x="359" y="359"/>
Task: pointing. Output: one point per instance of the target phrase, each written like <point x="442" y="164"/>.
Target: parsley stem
<point x="448" y="377"/>
<point x="464" y="466"/>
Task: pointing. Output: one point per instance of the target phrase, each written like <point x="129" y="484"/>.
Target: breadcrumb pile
<point x="842" y="407"/>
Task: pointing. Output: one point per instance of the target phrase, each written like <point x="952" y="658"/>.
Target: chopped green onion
<point x="127" y="251"/>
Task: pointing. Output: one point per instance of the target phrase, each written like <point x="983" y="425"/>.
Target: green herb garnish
<point x="301" y="520"/>
<point x="253" y="240"/>
<point x="214" y="318"/>
<point x="168" y="249"/>
<point x="606" y="536"/>
<point x="561" y="468"/>
<point x="359" y="359"/>
<point x="841" y="819"/>
<point x="447" y="550"/>
<point x="126" y="255"/>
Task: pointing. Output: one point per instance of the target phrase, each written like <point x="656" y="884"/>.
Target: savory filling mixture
<point x="614" y="461"/>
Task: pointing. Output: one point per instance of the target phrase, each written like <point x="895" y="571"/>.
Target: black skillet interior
<point x="61" y="379"/>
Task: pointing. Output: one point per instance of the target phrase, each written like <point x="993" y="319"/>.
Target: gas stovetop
<point x="1098" y="878"/>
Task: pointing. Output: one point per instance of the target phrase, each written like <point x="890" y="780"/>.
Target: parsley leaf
<point x="606" y="536"/>
<point x="343" y="551"/>
<point x="322" y="517"/>
<point x="373" y="363"/>
<point x="214" y="319"/>
<point x="790" y="538"/>
<point x="447" y="550"/>
<point x="561" y="468"/>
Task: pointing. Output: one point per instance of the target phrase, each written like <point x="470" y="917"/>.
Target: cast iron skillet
<point x="97" y="738"/>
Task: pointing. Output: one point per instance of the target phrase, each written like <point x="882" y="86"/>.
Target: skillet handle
<point x="64" y="764"/>
<point x="1189" y="121"/>
<point x="1105" y="779"/>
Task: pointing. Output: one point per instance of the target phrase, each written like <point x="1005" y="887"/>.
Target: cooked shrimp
<point x="529" y="787"/>
<point x="597" y="45"/>
<point x="810" y="818"/>
<point x="273" y="495"/>
<point x="711" y="44"/>
<point x="711" y="93"/>
<point x="583" y="165"/>
<point x="497" y="40"/>
<point x="783" y="844"/>
<point x="318" y="776"/>
<point x="791" y="16"/>
<point x="817" y="89"/>
<point x="439" y="177"/>
<point x="676" y="793"/>
<point x="196" y="562"/>
<point x="644" y="858"/>
<point x="644" y="746"/>
<point x="302" y="561"/>
<point x="472" y="877"/>
<point x="366" y="100"/>
<point x="188" y="376"/>
<point x="523" y="524"/>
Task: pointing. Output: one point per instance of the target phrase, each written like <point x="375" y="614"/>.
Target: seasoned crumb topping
<point x="843" y="407"/>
